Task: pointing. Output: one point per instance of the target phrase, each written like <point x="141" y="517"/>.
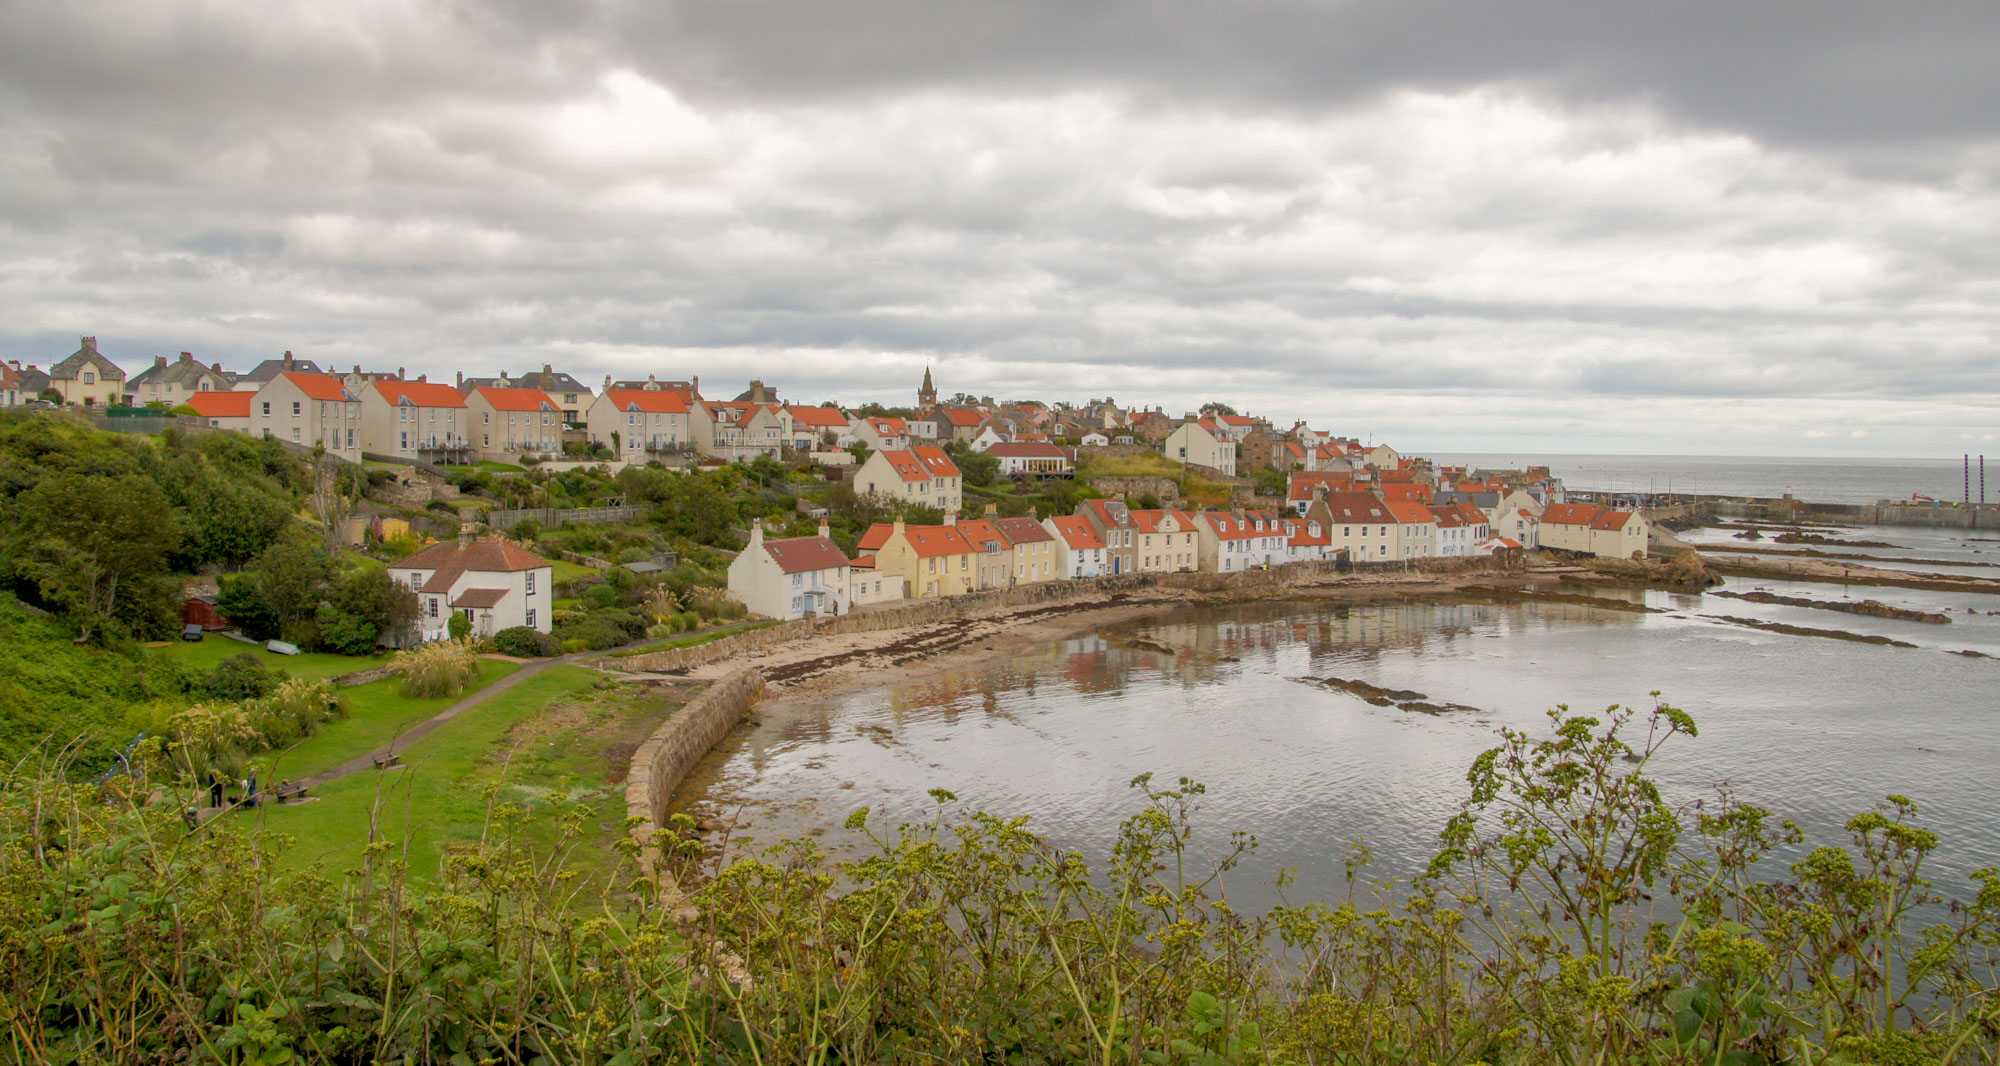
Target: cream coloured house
<point x="415" y="420"/>
<point x="86" y="378"/>
<point x="1203" y="443"/>
<point x="1599" y="531"/>
<point x="641" y="424"/>
<point x="1166" y="541"/>
<point x="792" y="577"/>
<point x="496" y="584"/>
<point x="741" y="431"/>
<point x="506" y="423"/>
<point x="1362" y="525"/>
<point x="880" y="434"/>
<point x="1035" y="550"/>
<point x="922" y="475"/>
<point x="928" y="562"/>
<point x="304" y="409"/>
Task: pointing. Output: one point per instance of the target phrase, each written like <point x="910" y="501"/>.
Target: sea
<point x="1813" y="480"/>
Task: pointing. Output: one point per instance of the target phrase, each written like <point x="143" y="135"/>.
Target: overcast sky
<point x="1700" y="227"/>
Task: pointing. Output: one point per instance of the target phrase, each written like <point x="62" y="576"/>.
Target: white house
<point x="494" y="583"/>
<point x="223" y="410"/>
<point x="1031" y="457"/>
<point x="881" y="434"/>
<point x="812" y="425"/>
<point x="1079" y="547"/>
<point x="1203" y="443"/>
<point x="1580" y="527"/>
<point x="792" y="577"/>
<point x="1231" y="542"/>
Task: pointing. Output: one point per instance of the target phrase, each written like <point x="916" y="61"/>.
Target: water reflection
<point x="1245" y="699"/>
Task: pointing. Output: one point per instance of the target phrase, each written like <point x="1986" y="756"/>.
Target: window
<point x="267" y="409"/>
<point x="350" y="439"/>
<point x="295" y="434"/>
<point x="531" y="618"/>
<point x="531" y="582"/>
<point x="798" y="581"/>
<point x="90" y="377"/>
<point x="295" y="408"/>
<point x="485" y="418"/>
<point x="434" y="606"/>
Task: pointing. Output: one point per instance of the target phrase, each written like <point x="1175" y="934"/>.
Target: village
<point x="1275" y="496"/>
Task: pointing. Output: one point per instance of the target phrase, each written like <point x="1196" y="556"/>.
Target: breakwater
<point x="1937" y="515"/>
<point x="666" y="757"/>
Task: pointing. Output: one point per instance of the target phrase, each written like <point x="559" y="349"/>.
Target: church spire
<point x="927" y="395"/>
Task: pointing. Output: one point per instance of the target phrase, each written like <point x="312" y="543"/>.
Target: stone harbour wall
<point x="663" y="761"/>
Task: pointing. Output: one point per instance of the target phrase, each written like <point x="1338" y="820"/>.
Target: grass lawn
<point x="1145" y="464"/>
<point x="376" y="712"/>
<point x="569" y="571"/>
<point x="214" y="648"/>
<point x="556" y="740"/>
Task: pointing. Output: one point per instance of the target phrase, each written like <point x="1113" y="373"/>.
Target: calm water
<point x="1812" y="480"/>
<point x="1813" y="728"/>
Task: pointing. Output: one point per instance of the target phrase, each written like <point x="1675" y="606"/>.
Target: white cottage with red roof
<point x="792" y="577"/>
<point x="1080" y="550"/>
<point x="881" y="434"/>
<point x="817" y="428"/>
<point x="494" y="583"/>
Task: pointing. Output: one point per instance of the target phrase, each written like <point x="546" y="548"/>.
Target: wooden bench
<point x="383" y="762"/>
<point x="290" y="793"/>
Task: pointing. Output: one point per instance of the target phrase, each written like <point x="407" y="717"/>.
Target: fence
<point x="551" y="518"/>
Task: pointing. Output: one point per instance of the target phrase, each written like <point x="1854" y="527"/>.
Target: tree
<point x="979" y="468"/>
<point x="1216" y="407"/>
<point x="241" y="600"/>
<point x="344" y="632"/>
<point x="460" y="626"/>
<point x="293" y="575"/>
<point x="91" y="544"/>
<point x="387" y="605"/>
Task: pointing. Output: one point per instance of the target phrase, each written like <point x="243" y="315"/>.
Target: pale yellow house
<point x="305" y="409"/>
<point x="87" y="378"/>
<point x="1203" y="443"/>
<point x="929" y="561"/>
<point x="1037" y="554"/>
<point x="1362" y="524"/>
<point x="1166" y="543"/>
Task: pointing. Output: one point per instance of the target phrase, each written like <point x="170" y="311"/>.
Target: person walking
<point x="214" y="787"/>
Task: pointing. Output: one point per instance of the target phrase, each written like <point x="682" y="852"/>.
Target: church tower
<point x="927" y="395"/>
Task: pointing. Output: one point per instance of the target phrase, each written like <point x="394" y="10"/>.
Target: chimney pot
<point x="187" y="357"/>
<point x="401" y="373"/>
<point x="423" y="379"/>
<point x="161" y="360"/>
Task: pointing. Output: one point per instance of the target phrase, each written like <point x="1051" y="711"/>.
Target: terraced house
<point x="922" y="475"/>
<point x="929" y="561"/>
<point x="1166" y="541"/>
<point x="172" y="383"/>
<point x="733" y="431"/>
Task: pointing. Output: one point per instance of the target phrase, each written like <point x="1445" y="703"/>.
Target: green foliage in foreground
<point x="1572" y="917"/>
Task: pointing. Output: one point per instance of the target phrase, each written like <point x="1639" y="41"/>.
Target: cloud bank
<point x="1458" y="226"/>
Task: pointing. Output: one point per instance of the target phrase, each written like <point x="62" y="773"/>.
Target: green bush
<point x="440" y="668"/>
<point x="345" y="633"/>
<point x="596" y="634"/>
<point x="525" y="643"/>
<point x="241" y="677"/>
<point x="574" y="645"/>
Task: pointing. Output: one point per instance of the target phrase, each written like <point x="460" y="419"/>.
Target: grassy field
<point x="214" y="648"/>
<point x="568" y="571"/>
<point x="556" y="740"/>
<point x="376" y="713"/>
<point x="1146" y="464"/>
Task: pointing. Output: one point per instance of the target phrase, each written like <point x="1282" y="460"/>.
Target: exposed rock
<point x="1872" y="608"/>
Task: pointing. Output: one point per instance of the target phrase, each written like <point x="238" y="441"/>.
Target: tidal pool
<point x="1814" y="728"/>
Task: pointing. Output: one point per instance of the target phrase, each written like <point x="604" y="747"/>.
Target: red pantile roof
<point x="516" y="399"/>
<point x="931" y="541"/>
<point x="1077" y="532"/>
<point x="1027" y="449"/>
<point x="222" y="404"/>
<point x="1022" y="530"/>
<point x="650" y="401"/>
<point x="487" y="555"/>
<point x="419" y="393"/>
<point x="936" y="461"/>
<point x="796" y="555"/>
<point x="962" y="416"/>
<point x="818" y="417"/>
<point x="1357" y="507"/>
<point x="479" y="598"/>
<point x="1569" y="514"/>
<point x="1409" y="512"/>
<point x="319" y="386"/>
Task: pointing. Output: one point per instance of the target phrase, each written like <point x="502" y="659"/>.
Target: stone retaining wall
<point x="663" y="761"/>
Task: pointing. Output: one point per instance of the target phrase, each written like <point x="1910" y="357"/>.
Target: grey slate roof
<point x="86" y="356"/>
<point x="263" y="372"/>
<point x="183" y="371"/>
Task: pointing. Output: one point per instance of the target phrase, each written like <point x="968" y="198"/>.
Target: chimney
<point x="401" y="373"/>
<point x="951" y="519"/>
<point x="696" y="386"/>
<point x="357" y="368"/>
<point x="288" y="359"/>
<point x="899" y="526"/>
<point x="548" y="371"/>
<point x="161" y="360"/>
<point x="824" y="529"/>
<point x="756" y="534"/>
<point x="90" y="344"/>
<point x="465" y="537"/>
<point x="992" y="510"/>
<point x="1035" y="513"/>
<point x="423" y="379"/>
<point x="607" y="382"/>
<point x="461" y="379"/>
<point x="187" y="357"/>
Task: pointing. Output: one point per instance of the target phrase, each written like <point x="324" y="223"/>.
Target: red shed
<point x="200" y="611"/>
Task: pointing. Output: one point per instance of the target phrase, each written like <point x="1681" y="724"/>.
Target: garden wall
<point x="661" y="763"/>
